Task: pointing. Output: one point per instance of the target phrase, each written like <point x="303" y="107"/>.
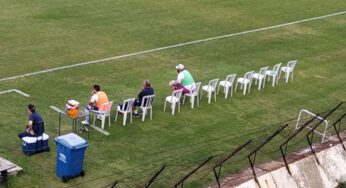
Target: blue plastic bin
<point x="70" y="156"/>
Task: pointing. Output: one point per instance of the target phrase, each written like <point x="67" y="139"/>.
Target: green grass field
<point x="36" y="35"/>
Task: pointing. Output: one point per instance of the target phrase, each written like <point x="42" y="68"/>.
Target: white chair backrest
<point x="230" y="78"/>
<point x="276" y="68"/>
<point x="213" y="83"/>
<point x="292" y="64"/>
<point x="177" y="93"/>
<point x="248" y="75"/>
<point x="106" y="107"/>
<point x="147" y="101"/>
<point x="263" y="70"/>
<point x="195" y="89"/>
<point x="127" y="105"/>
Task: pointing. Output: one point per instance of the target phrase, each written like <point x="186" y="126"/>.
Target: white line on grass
<point x="15" y="90"/>
<point x="168" y="47"/>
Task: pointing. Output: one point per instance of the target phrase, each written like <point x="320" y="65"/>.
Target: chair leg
<point x="236" y="85"/>
<point x="287" y="75"/>
<point x="279" y="74"/>
<point x="131" y="117"/>
<point x="226" y="92"/>
<point x="151" y="113"/>
<point x="179" y="107"/>
<point x="259" y="84"/>
<point x="197" y="100"/>
<point x="209" y="97"/>
<point x="218" y="89"/>
<point x="103" y="122"/>
<point x="124" y="119"/>
<point x="94" y="121"/>
<point x="116" y="116"/>
<point x="109" y="119"/>
<point x="292" y="77"/>
<point x="231" y="90"/>
<point x="264" y="82"/>
<point x="214" y="95"/>
<point x="273" y="81"/>
<point x="192" y="101"/>
<point x="184" y="100"/>
<point x="164" y="107"/>
<point x="143" y="115"/>
<point x="244" y="89"/>
<point x="201" y="95"/>
<point x="173" y="108"/>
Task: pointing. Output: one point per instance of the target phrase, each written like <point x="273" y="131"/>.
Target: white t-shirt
<point x="94" y="98"/>
<point x="180" y="77"/>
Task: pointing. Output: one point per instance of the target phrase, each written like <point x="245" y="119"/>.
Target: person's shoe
<point x="85" y="122"/>
<point x="84" y="129"/>
<point x="135" y="114"/>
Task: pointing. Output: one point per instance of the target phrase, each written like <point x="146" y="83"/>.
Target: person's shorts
<point x="88" y="107"/>
<point x="137" y="102"/>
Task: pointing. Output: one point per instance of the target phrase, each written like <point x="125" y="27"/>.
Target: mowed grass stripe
<point x="169" y="47"/>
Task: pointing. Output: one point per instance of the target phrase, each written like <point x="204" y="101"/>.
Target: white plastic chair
<point x="147" y="104"/>
<point x="288" y="70"/>
<point x="226" y="84"/>
<point x="174" y="99"/>
<point x="193" y="94"/>
<point x="260" y="76"/>
<point x="274" y="73"/>
<point x="245" y="82"/>
<point x="125" y="108"/>
<point x="210" y="89"/>
<point x="102" y="113"/>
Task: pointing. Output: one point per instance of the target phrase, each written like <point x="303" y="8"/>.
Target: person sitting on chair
<point x="97" y="98"/>
<point x="35" y="124"/>
<point x="146" y="90"/>
<point x="184" y="80"/>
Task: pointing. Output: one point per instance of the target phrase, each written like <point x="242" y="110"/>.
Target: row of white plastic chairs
<point x="213" y="87"/>
<point x="125" y="108"/>
<point x="245" y="82"/>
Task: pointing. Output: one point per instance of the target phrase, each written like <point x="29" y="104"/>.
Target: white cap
<point x="180" y="67"/>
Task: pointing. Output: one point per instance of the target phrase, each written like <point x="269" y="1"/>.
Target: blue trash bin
<point x="70" y="156"/>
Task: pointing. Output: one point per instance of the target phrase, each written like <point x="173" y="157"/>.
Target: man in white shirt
<point x="96" y="100"/>
<point x="185" y="79"/>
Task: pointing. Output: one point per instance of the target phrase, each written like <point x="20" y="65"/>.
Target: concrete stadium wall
<point x="306" y="172"/>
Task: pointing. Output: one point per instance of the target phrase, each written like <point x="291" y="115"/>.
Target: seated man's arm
<point x="141" y="95"/>
<point x="93" y="100"/>
<point x="29" y="127"/>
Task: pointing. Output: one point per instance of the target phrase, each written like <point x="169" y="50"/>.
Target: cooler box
<point x="32" y="145"/>
<point x="70" y="156"/>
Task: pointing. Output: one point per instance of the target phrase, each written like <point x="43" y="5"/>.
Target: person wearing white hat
<point x="185" y="79"/>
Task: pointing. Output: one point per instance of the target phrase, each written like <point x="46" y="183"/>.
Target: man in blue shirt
<point x="146" y="90"/>
<point x="35" y="125"/>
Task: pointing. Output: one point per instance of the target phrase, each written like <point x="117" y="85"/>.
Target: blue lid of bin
<point x="72" y="141"/>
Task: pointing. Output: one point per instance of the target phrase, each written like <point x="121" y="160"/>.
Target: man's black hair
<point x="31" y="107"/>
<point x="97" y="87"/>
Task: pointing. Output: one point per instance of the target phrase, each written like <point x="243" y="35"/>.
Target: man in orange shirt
<point x="97" y="98"/>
